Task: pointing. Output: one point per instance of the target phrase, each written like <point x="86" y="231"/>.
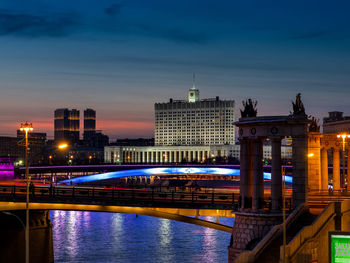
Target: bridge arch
<point x="9" y="206"/>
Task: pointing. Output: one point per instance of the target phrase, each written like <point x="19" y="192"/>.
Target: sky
<point x="120" y="57"/>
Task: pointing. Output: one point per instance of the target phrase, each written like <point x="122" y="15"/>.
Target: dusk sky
<point x="120" y="57"/>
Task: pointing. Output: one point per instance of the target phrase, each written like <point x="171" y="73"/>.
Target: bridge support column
<point x="12" y="247"/>
<point x="276" y="176"/>
<point x="336" y="170"/>
<point x="324" y="169"/>
<point x="248" y="230"/>
<point x="258" y="179"/>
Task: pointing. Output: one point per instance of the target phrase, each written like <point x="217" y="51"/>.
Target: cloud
<point x="36" y="25"/>
<point x="113" y="9"/>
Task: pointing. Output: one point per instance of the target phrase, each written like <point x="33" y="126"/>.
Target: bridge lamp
<point x="343" y="136"/>
<point x="311" y="155"/>
<point x="27" y="127"/>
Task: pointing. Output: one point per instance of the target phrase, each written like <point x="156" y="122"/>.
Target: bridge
<point x="167" y="205"/>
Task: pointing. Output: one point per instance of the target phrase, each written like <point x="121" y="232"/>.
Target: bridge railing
<point x="110" y="195"/>
<point x="120" y="196"/>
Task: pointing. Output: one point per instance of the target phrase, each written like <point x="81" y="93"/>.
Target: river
<point x="94" y="237"/>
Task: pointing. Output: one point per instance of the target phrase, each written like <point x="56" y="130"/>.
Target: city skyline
<point x="121" y="57"/>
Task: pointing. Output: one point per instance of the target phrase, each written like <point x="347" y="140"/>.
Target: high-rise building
<point x="89" y="124"/>
<point x="336" y="123"/>
<point x="195" y="121"/>
<point x="67" y="125"/>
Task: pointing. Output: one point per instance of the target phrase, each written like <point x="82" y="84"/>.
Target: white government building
<point x="190" y="131"/>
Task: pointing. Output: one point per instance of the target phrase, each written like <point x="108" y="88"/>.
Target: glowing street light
<point x="62" y="146"/>
<point x="27" y="127"/>
<point x="343" y="136"/>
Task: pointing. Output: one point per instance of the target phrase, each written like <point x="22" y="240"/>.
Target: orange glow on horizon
<point x="112" y="128"/>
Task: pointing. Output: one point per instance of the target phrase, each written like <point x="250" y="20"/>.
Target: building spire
<point x="194" y="81"/>
<point x="193" y="93"/>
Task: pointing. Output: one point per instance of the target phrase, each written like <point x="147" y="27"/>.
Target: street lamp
<point x="27" y="127"/>
<point x="343" y="136"/>
<point x="62" y="146"/>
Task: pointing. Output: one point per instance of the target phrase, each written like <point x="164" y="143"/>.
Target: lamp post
<point x="284" y="214"/>
<point x="343" y="136"/>
<point x="27" y="127"/>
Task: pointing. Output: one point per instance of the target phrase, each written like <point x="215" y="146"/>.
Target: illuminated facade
<point x="178" y="154"/>
<point x="195" y="121"/>
<point x="67" y="125"/>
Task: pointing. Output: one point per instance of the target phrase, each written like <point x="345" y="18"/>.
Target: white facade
<point x="195" y="122"/>
<point x="177" y="154"/>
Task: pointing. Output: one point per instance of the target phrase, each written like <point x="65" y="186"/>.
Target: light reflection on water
<point x="111" y="237"/>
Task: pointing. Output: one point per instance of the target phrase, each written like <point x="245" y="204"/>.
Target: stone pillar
<point x="348" y="171"/>
<point x="276" y="176"/>
<point x="243" y="170"/>
<point x="246" y="187"/>
<point x="258" y="179"/>
<point x="336" y="170"/>
<point x="324" y="169"/>
<point x="314" y="161"/>
<point x="300" y="169"/>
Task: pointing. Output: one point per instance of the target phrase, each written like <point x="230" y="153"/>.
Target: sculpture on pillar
<point x="298" y="107"/>
<point x="249" y="108"/>
<point x="314" y="126"/>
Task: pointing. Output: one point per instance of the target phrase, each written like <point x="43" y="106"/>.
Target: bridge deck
<point x="120" y="197"/>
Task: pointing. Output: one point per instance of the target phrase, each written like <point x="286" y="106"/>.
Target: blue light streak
<point x="161" y="171"/>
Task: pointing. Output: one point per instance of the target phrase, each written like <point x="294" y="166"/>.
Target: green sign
<point x="339" y="247"/>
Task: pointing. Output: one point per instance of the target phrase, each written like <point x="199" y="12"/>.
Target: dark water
<point x="111" y="237"/>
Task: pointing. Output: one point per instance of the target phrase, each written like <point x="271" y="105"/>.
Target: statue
<point x="298" y="106"/>
<point x="314" y="127"/>
<point x="249" y="108"/>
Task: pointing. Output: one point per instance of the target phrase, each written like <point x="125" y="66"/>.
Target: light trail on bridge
<point x="161" y="171"/>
